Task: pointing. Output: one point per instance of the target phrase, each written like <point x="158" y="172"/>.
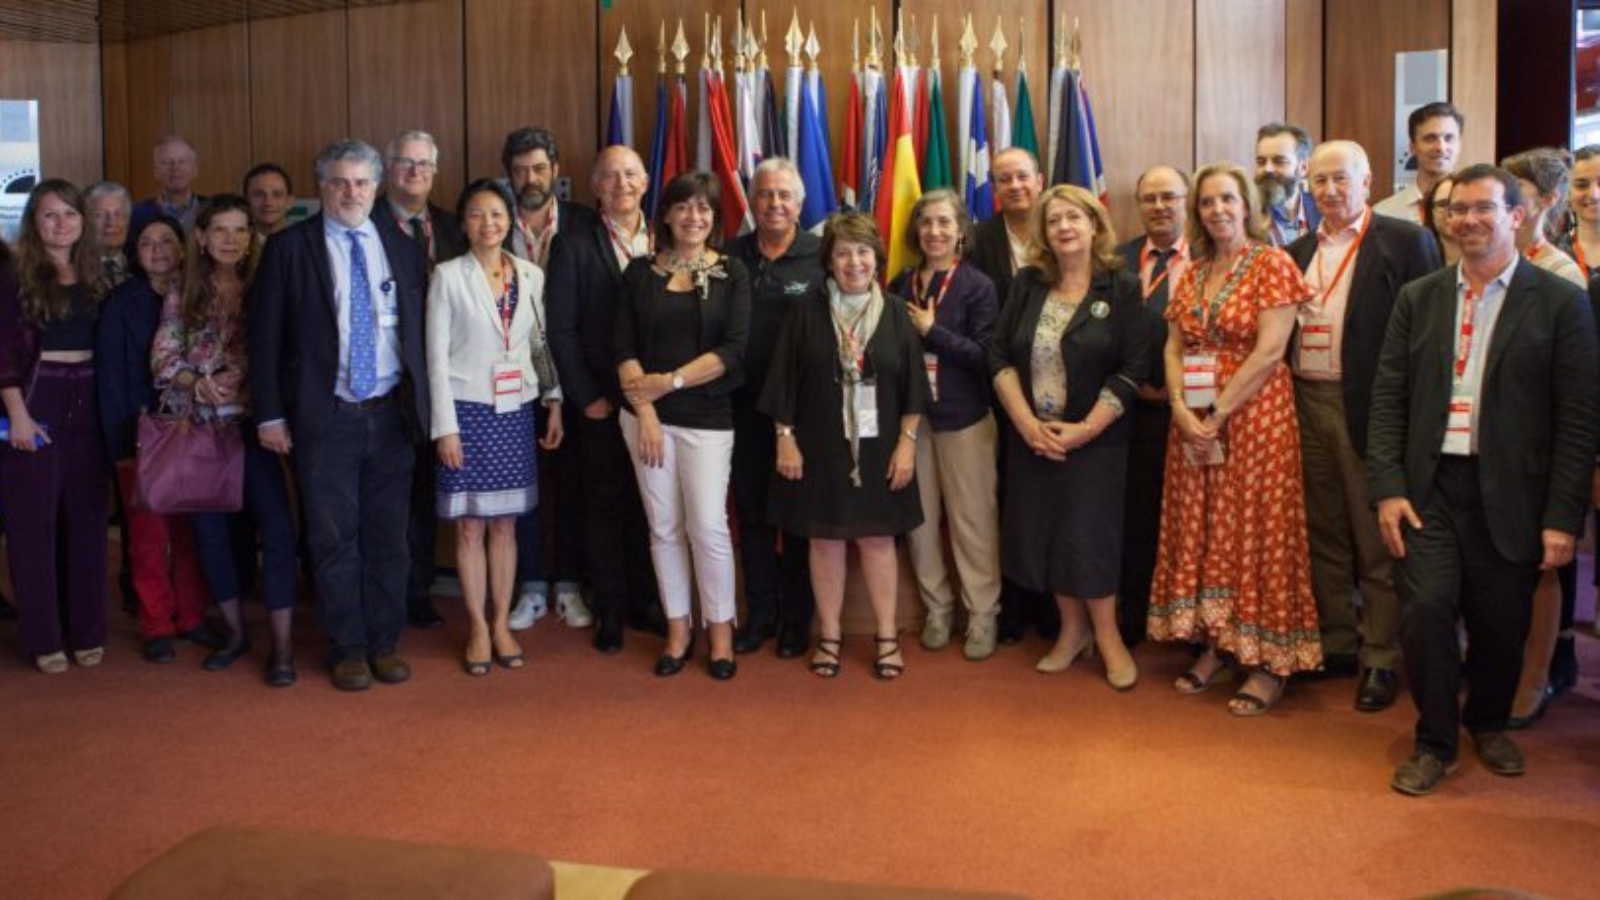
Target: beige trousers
<point x="956" y="480"/>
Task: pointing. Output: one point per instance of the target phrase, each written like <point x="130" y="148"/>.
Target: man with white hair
<point x="410" y="165"/>
<point x="110" y="209"/>
<point x="1356" y="262"/>
<point x="176" y="168"/>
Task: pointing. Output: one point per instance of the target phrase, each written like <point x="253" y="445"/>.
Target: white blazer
<point x="465" y="340"/>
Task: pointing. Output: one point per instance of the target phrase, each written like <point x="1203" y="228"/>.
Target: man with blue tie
<point x="337" y="371"/>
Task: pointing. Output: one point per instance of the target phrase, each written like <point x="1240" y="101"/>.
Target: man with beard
<point x="532" y="166"/>
<point x="1435" y="130"/>
<point x="1282" y="152"/>
<point x="1159" y="258"/>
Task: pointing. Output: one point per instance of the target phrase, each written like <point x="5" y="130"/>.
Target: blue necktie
<point x="363" y="324"/>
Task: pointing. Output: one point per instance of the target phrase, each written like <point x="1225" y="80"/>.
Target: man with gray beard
<point x="1283" y="152"/>
<point x="532" y="165"/>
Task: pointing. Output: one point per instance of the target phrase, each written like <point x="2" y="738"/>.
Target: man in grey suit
<point x="1484" y="425"/>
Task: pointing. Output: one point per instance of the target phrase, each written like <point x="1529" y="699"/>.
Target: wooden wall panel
<point x="527" y="69"/>
<point x="1239" y="76"/>
<point x="1141" y="121"/>
<point x="114" y="106"/>
<point x="1474" y="38"/>
<point x="1303" y="33"/>
<point x="406" y="72"/>
<point x="149" y="92"/>
<point x="210" y="91"/>
<point x="63" y="78"/>
<point x="1362" y="38"/>
<point x="298" y="97"/>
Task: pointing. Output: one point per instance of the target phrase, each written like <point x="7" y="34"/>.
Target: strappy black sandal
<point x="828" y="666"/>
<point x="887" y="671"/>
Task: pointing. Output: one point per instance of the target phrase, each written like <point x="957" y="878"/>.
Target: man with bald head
<point x="1356" y="262"/>
<point x="176" y="168"/>
<point x="582" y="281"/>
<point x="1001" y="242"/>
<point x="1159" y="257"/>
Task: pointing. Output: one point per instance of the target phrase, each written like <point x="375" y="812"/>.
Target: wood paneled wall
<point x="60" y="77"/>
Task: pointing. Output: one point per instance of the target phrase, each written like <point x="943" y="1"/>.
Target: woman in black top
<point x="682" y="323"/>
<point x="1069" y="352"/>
<point x="847" y="392"/>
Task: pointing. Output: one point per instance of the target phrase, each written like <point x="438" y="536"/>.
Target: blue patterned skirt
<point x="499" y="474"/>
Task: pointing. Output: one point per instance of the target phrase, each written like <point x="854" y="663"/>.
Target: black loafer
<point x="750" y="637"/>
<point x="793" y="642"/>
<point x="1499" y="754"/>
<point x="1420" y="775"/>
<point x="221" y="659"/>
<point x="1377" y="690"/>
<point x="159" y="650"/>
<point x="281" y="676"/>
<point x="723" y="669"/>
<point x="608" y="637"/>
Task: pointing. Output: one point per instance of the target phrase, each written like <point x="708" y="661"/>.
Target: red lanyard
<point x="1327" y="290"/>
<point x="626" y="247"/>
<point x="1535" y="251"/>
<point x="1577" y="254"/>
<point x="541" y="241"/>
<point x="944" y="288"/>
<point x="1144" y="261"/>
<point x="1464" y="340"/>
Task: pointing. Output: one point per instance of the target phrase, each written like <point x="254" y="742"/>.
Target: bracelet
<point x="909" y="435"/>
<point x="785" y="431"/>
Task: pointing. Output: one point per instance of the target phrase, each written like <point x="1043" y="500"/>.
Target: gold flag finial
<point x="738" y="41"/>
<point x="997" y="45"/>
<point x="855" y="45"/>
<point x="680" y="48"/>
<point x="933" y="44"/>
<point x="1022" y="47"/>
<point x="812" y="46"/>
<point x="794" y="41"/>
<point x="661" y="49"/>
<point x="1077" y="46"/>
<point x="968" y="43"/>
<point x="874" y="42"/>
<point x="900" y="37"/>
<point x="623" y="53"/>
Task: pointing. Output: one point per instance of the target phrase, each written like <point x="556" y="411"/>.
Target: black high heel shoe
<point x="668" y="665"/>
<point x="225" y="657"/>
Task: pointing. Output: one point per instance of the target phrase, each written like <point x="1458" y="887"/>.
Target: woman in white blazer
<point x="488" y="363"/>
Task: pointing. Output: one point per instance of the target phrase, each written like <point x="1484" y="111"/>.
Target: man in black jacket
<point x="1356" y="261"/>
<point x="1484" y="425"/>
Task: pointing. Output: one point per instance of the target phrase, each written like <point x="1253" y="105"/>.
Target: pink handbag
<point x="188" y="467"/>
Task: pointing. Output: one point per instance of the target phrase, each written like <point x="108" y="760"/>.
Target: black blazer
<point x="449" y="241"/>
<point x="294" y="326"/>
<point x="991" y="253"/>
<point x="123" y="335"/>
<point x="1106" y="344"/>
<point x="1393" y="253"/>
<point x="1539" y="421"/>
<point x="581" y="300"/>
<point x="1155" y="308"/>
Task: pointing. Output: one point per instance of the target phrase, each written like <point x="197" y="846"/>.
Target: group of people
<point x="1306" y="435"/>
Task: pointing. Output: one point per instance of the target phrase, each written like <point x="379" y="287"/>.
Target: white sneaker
<point x="571" y="608"/>
<point x="531" y="607"/>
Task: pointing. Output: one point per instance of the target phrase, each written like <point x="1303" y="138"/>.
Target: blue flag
<point x="658" y="149"/>
<point x="977" y="190"/>
<point x="816" y="169"/>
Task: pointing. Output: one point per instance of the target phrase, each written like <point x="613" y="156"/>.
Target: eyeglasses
<point x="1477" y="210"/>
<point x="407" y="164"/>
<point x="1166" y="198"/>
<point x="341" y="185"/>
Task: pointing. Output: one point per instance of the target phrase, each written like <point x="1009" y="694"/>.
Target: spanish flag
<point x="899" y="187"/>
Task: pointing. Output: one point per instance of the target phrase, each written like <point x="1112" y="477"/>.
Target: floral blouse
<point x="215" y="354"/>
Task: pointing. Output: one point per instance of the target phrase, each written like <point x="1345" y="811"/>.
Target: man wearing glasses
<point x="1484" y="424"/>
<point x="1158" y="257"/>
<point x="338" y="374"/>
<point x="176" y="168"/>
<point x="413" y="160"/>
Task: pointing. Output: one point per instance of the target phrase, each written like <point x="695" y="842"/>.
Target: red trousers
<point x="166" y="569"/>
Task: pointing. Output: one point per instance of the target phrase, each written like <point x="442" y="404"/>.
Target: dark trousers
<point x="556" y="524"/>
<point x="56" y="512"/>
<point x="355" y="481"/>
<point x="616" y="541"/>
<point x="1141" y="516"/>
<point x="422" y="526"/>
<point x="266" y="505"/>
<point x="1452" y="572"/>
<point x="777" y="584"/>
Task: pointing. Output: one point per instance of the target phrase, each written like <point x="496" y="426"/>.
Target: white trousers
<point x="686" y="504"/>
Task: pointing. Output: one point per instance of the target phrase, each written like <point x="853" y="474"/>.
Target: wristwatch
<point x="677" y="381"/>
<point x="785" y="431"/>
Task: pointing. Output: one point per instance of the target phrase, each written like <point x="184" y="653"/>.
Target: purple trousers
<point x="56" y="508"/>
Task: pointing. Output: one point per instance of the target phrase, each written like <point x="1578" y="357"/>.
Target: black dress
<point x="804" y="388"/>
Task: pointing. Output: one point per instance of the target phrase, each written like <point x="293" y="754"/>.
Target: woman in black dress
<point x="847" y="392"/>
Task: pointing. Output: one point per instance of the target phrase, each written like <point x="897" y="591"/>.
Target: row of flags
<point x="895" y="143"/>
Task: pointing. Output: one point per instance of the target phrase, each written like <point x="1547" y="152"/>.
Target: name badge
<point x="1458" y="427"/>
<point x="1199" y="380"/>
<point x="1316" y="345"/>
<point x="507" y="387"/>
<point x="867" y="408"/>
<point x="930" y="361"/>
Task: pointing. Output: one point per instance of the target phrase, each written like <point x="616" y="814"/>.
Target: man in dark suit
<point x="1485" y="420"/>
<point x="584" y="277"/>
<point x="1356" y="262"/>
<point x="407" y="213"/>
<point x="177" y="166"/>
<point x="1159" y="257"/>
<point x="532" y="165"/>
<point x="337" y="373"/>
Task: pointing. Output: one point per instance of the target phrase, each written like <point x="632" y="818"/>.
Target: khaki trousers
<point x="956" y="480"/>
<point x="1346" y="549"/>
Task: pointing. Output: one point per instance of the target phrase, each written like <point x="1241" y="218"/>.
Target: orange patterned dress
<point x="1233" y="566"/>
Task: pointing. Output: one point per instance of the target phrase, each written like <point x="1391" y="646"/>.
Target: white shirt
<point x="1486" y="314"/>
<point x="385" y="298"/>
<point x="1405" y="204"/>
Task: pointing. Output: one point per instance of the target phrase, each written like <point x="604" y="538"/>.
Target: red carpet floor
<point x="966" y="775"/>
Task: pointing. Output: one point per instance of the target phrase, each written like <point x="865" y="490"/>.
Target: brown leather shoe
<point x="1420" y="775"/>
<point x="352" y="675"/>
<point x="1499" y="754"/>
<point x="389" y="668"/>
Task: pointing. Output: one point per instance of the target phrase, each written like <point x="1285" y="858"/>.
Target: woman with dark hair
<point x="165" y="566"/>
<point x="952" y="306"/>
<point x="1233" y="568"/>
<point x="200" y="363"/>
<point x="1582" y="243"/>
<point x="846" y="394"/>
<point x="53" y="476"/>
<point x="683" y="318"/>
<point x="1542" y="173"/>
<point x="488" y="364"/>
<point x="1069" y="352"/>
<point x="1436" y="218"/>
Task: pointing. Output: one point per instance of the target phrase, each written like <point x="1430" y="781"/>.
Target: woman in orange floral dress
<point x="1233" y="567"/>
